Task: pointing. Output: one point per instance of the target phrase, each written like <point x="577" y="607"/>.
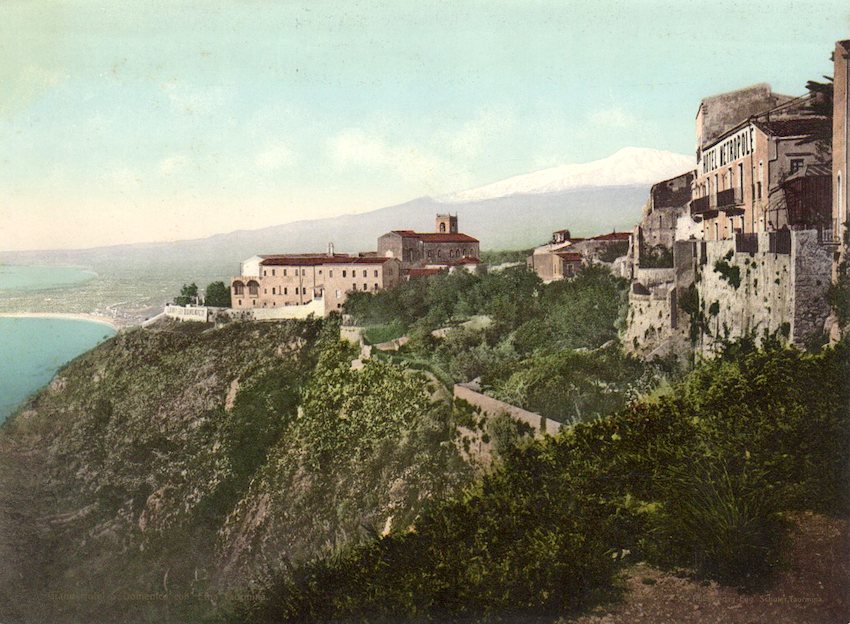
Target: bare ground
<point x="814" y="588"/>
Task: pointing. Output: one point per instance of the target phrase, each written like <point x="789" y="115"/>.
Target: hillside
<point x="183" y="461"/>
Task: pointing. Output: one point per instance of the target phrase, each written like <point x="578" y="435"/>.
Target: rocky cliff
<point x="170" y="469"/>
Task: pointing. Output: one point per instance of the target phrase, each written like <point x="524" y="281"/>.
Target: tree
<point x="823" y="94"/>
<point x="188" y="294"/>
<point x="217" y="295"/>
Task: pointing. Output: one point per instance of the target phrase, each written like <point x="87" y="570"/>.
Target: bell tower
<point x="447" y="224"/>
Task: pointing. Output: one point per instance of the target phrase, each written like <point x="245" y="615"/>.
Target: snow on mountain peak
<point x="625" y="167"/>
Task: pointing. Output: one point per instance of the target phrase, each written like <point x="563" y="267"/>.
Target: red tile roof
<point x="317" y="260"/>
<point x="423" y="272"/>
<point x="815" y="127"/>
<point x="569" y="256"/>
<point x="437" y="237"/>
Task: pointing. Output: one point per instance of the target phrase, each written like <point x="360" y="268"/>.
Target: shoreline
<point x="69" y="316"/>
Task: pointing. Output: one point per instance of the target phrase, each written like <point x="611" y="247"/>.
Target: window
<point x="365" y="286"/>
<point x="376" y="286"/>
<point x="344" y="273"/>
<point x="253" y="288"/>
<point x="303" y="271"/>
<point x="741" y="180"/>
<point x="337" y="293"/>
<point x="364" y="272"/>
<point x="239" y="302"/>
<point x="273" y="290"/>
<point x="284" y="272"/>
<point x="796" y="164"/>
<point x="331" y="273"/>
<point x="442" y="227"/>
<point x="376" y="272"/>
<point x="285" y="291"/>
<point x="320" y="271"/>
<point x="238" y="288"/>
<point x="272" y="272"/>
<point x="265" y="291"/>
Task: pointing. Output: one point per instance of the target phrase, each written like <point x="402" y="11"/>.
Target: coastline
<point x="71" y="316"/>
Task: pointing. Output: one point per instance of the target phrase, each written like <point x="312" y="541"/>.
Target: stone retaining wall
<point x="494" y="407"/>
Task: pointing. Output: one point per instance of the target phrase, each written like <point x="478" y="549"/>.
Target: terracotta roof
<point x="816" y="127"/>
<point x="437" y="237"/>
<point x="423" y="272"/>
<point x="318" y="260"/>
<point x="613" y="236"/>
<point x="569" y="256"/>
<point x="467" y="260"/>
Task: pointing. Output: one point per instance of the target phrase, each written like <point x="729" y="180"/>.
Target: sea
<point x="33" y="349"/>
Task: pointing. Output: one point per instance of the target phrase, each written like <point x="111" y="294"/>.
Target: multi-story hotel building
<point x="298" y="279"/>
<point x="765" y="171"/>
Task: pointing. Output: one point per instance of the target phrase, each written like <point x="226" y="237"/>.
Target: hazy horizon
<point x="128" y="124"/>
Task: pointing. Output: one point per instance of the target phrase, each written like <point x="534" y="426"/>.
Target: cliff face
<point x="170" y="468"/>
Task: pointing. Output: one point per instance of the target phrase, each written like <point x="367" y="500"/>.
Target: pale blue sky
<point x="130" y="121"/>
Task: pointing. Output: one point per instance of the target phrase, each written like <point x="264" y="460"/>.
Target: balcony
<point x="731" y="201"/>
<point x="830" y="234"/>
<point x="746" y="243"/>
<point x="703" y="208"/>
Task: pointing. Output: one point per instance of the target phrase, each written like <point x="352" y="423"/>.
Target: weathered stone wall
<point x="198" y="314"/>
<point x="493" y="407"/>
<point x="812" y="273"/>
<point x="770" y="292"/>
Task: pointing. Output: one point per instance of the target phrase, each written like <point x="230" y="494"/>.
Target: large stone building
<point x="763" y="172"/>
<point x="753" y="254"/>
<point x="840" y="160"/>
<point x="564" y="256"/>
<point x="445" y="247"/>
<point x="278" y="281"/>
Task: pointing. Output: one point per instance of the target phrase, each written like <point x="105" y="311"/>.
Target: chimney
<point x="331" y="249"/>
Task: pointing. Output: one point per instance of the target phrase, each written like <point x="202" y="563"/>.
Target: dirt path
<point x="814" y="589"/>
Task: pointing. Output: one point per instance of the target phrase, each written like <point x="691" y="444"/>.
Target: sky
<point x="130" y="121"/>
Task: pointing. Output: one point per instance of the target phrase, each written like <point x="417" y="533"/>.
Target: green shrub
<point x="384" y="333"/>
<point x="728" y="272"/>
<point x="723" y="522"/>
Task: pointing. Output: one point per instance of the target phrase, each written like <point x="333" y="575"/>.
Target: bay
<point x="33" y="349"/>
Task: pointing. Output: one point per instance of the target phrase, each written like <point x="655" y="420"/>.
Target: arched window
<point x="442" y="227"/>
<point x="253" y="288"/>
<point x="238" y="288"/>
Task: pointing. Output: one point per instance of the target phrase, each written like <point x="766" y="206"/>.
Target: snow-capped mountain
<point x="520" y="212"/>
<point x="627" y="167"/>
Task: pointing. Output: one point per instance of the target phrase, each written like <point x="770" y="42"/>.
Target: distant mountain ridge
<point x="590" y="198"/>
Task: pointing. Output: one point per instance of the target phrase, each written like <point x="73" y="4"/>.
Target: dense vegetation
<point x="699" y="478"/>
<point x="535" y="352"/>
<point x="189" y="460"/>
